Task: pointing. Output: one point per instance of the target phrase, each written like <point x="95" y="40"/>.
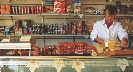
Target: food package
<point x="89" y="25"/>
<point x="59" y="6"/>
<point x="5" y="9"/>
<point x="110" y="43"/>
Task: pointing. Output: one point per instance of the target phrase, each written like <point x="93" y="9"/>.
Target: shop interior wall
<point x="6" y="20"/>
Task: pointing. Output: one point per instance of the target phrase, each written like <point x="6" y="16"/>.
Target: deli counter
<point x="22" y="56"/>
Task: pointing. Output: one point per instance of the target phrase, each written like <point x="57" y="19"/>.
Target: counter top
<point x="64" y="57"/>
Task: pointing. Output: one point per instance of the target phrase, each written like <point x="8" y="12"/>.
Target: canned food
<point x="16" y="10"/>
<point x="40" y="9"/>
<point x="32" y="10"/>
<point x="13" y="9"/>
<point x="25" y="10"/>
<point x="19" y="8"/>
<point x="35" y="9"/>
<point x="22" y="10"/>
<point x="28" y="10"/>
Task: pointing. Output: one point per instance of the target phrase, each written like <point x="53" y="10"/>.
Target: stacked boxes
<point x="59" y="6"/>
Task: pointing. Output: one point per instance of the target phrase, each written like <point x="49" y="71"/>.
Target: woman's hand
<point x="124" y="42"/>
<point x="99" y="40"/>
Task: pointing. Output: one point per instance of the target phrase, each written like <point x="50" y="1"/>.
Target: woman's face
<point x="109" y="18"/>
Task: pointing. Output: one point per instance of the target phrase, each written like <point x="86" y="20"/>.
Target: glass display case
<point x="66" y="64"/>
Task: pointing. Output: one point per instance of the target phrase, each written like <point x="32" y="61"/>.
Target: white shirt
<point x="115" y="30"/>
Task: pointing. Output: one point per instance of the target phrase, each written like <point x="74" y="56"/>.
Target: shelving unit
<point x="43" y="15"/>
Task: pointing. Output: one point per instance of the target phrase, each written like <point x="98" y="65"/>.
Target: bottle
<point x="49" y="29"/>
<point x="65" y="21"/>
<point x="20" y="31"/>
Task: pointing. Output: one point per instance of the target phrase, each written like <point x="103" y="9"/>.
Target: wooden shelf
<point x="54" y="14"/>
<point x="49" y="35"/>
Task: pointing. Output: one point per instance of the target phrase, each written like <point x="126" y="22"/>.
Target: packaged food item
<point x="28" y="10"/>
<point x="131" y="9"/>
<point x="20" y="9"/>
<point x="123" y="9"/>
<point x="25" y="9"/>
<point x="35" y="9"/>
<point x="59" y="6"/>
<point x="118" y="3"/>
<point x="32" y="10"/>
<point x="13" y="9"/>
<point x="79" y="27"/>
<point x="5" y="9"/>
<point x="16" y="10"/>
<point x="77" y="6"/>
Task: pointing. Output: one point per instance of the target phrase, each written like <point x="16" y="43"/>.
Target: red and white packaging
<point x="59" y="6"/>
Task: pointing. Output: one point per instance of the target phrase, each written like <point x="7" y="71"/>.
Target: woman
<point x="108" y="28"/>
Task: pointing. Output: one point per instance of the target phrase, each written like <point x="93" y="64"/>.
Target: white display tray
<point x="15" y="46"/>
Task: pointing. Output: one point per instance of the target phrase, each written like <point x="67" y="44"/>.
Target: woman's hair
<point x="111" y="10"/>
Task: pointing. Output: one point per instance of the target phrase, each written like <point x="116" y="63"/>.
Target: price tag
<point x="78" y="65"/>
<point x="86" y="36"/>
<point x="32" y="65"/>
<point x="122" y="63"/>
<point x="58" y="64"/>
<point x="25" y="38"/>
<point x="5" y="40"/>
